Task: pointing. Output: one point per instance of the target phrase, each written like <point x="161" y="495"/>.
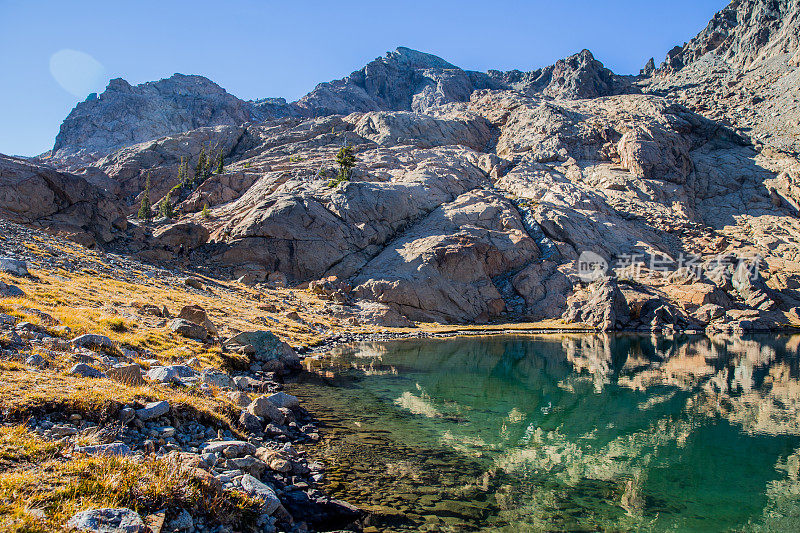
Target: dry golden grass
<point x="40" y="489"/>
<point x="25" y="393"/>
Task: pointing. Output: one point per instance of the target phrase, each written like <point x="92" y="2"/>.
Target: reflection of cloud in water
<point x="417" y="406"/>
<point x="554" y="454"/>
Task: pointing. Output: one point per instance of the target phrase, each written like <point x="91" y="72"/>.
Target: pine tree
<point x="220" y="163"/>
<point x="200" y="169"/>
<point x="206" y="213"/>
<point x="346" y="161"/>
<point x="145" y="209"/>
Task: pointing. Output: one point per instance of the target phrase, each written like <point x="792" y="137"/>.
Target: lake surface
<point x="555" y="433"/>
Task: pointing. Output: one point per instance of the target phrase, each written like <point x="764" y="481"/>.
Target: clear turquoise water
<point x="576" y="433"/>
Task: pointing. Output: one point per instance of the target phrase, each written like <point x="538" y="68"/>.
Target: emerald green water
<point x="555" y="433"/>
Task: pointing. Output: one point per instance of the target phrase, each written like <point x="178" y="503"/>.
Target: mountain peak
<point x="415" y="59"/>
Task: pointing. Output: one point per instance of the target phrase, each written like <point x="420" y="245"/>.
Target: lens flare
<point x="78" y="73"/>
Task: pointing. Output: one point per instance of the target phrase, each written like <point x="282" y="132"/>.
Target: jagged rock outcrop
<point x="61" y="202"/>
<point x="124" y="115"/>
<point x="403" y="80"/>
<point x="743" y="33"/>
<point x="577" y="76"/>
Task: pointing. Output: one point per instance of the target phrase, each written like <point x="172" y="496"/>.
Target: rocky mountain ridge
<point x="403" y="80"/>
<point x="475" y="196"/>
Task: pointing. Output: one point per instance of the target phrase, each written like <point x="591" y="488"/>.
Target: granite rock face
<point x="741" y="69"/>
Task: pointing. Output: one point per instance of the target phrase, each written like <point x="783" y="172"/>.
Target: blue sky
<point x="258" y="49"/>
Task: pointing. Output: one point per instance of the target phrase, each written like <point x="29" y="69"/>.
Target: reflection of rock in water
<point x="573" y="432"/>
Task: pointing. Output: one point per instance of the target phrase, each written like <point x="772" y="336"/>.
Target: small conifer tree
<point x="145" y="209"/>
<point x="165" y="207"/>
<point x="220" y="163"/>
<point x="206" y="213"/>
<point x="346" y="161"/>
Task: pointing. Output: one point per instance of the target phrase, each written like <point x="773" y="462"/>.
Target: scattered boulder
<point x="258" y="490"/>
<point x="196" y="314"/>
<point x="265" y="409"/>
<point x="108" y="520"/>
<point x="129" y="374"/>
<point x="86" y="371"/>
<point x="171" y="373"/>
<point x="217" y="378"/>
<point x="13" y="266"/>
<point x="251" y="422"/>
<point x="230" y="448"/>
<point x="281" y="399"/>
<point x="239" y="398"/>
<point x="94" y="341"/>
<point x="36" y="360"/>
<point x="182" y="522"/>
<point x="267" y="348"/>
<point x="114" y="448"/>
<point x="10" y="291"/>
<point x="153" y="410"/>
<point x="194" y="283"/>
<point x="188" y="329"/>
<point x="151" y="310"/>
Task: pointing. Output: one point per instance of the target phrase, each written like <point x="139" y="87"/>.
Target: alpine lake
<point x="562" y="432"/>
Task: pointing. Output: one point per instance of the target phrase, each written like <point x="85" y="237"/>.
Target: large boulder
<point x="266" y="348"/>
<point x="183" y="236"/>
<point x="259" y="491"/>
<point x="197" y="315"/>
<point x="188" y="329"/>
<point x="16" y="267"/>
<point x="599" y="305"/>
